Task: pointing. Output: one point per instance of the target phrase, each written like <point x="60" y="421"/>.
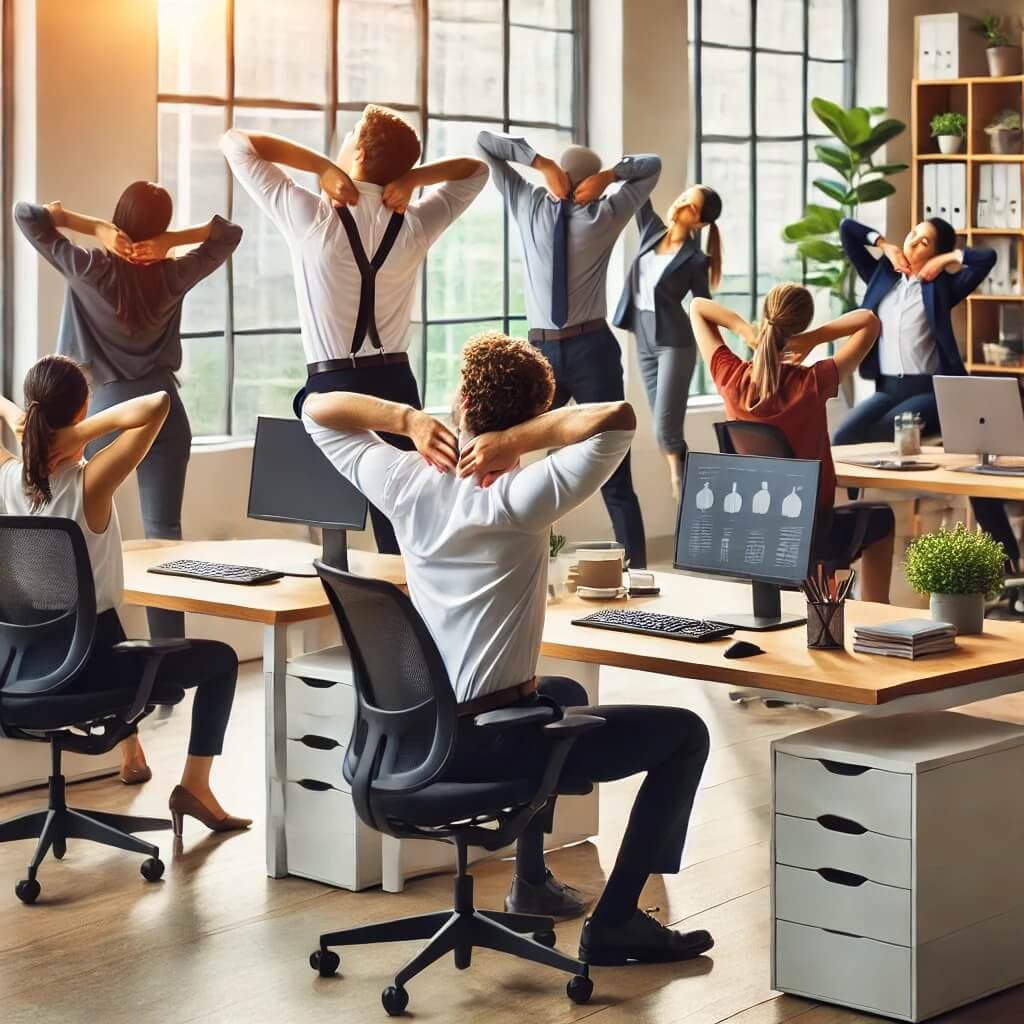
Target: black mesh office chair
<point x="402" y="740"/>
<point x="47" y="625"/>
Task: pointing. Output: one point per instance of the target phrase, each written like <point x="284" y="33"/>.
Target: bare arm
<point x="708" y="318"/>
<point x="399" y="192"/>
<point x="12" y="416"/>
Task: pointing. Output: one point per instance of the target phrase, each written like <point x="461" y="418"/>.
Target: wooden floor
<point x="217" y="941"/>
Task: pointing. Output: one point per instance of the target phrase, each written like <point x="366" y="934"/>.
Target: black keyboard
<point x="655" y="624"/>
<point x="216" y="572"/>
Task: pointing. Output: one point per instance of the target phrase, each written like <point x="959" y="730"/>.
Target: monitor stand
<point x="988" y="466"/>
<point x="335" y="549"/>
<point x="767" y="612"/>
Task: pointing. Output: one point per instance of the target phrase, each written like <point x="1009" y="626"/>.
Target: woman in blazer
<point x="670" y="265"/>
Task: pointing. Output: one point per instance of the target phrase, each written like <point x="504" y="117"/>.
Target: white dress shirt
<point x="652" y="266"/>
<point x="476" y="558"/>
<point x="906" y="344"/>
<point x="327" y="280"/>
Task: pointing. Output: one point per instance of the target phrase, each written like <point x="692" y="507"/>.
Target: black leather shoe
<point x="641" y="940"/>
<point x="551" y="898"/>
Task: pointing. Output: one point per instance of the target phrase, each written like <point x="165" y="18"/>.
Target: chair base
<point x="457" y="931"/>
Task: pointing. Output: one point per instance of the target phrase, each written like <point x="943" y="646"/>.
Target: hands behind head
<point x="591" y="189"/>
<point x="896" y="257"/>
<point x="397" y="195"/>
<point x="556" y="180"/>
<point x="114" y="240"/>
<point x="338" y="187"/>
<point x="434" y="441"/>
<point x="487" y="457"/>
<point x="748" y="334"/>
<point x="937" y="264"/>
<point x="65" y="447"/>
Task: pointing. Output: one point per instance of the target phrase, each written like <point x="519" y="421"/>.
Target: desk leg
<point x="275" y="661"/>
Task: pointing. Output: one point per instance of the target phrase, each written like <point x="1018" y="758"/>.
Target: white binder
<point x="927" y="42"/>
<point x="997" y="204"/>
<point x="930" y="189"/>
<point x="1013" y="203"/>
<point x="944" y="173"/>
<point x="983" y="214"/>
<point x="958" y="196"/>
<point x="1001" y="272"/>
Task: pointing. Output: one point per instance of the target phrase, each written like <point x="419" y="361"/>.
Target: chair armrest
<point x="505" y="717"/>
<point x="563" y="735"/>
<point x="573" y="726"/>
<point x="154" y="646"/>
<point x="155" y="651"/>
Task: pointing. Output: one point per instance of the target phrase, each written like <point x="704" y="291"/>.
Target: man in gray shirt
<point x="568" y="231"/>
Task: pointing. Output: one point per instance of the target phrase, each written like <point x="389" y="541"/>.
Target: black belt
<point x="358" y="362"/>
<point x="538" y="334"/>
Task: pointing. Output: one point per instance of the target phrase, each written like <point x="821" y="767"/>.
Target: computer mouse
<point x="743" y="649"/>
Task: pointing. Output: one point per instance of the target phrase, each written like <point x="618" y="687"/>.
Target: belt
<point x="538" y="334"/>
<point x="358" y="362"/>
<point x="499" y="699"/>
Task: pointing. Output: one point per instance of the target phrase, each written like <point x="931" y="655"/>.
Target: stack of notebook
<point x="908" y="638"/>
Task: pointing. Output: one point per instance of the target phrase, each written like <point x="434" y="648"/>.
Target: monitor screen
<point x="293" y="482"/>
<point x="747" y="517"/>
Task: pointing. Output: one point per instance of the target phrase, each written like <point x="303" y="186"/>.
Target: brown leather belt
<point x="358" y="362"/>
<point x="538" y="334"/>
<point x="499" y="699"/>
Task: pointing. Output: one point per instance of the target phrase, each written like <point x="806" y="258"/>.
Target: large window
<point x="305" y="69"/>
<point x="757" y="64"/>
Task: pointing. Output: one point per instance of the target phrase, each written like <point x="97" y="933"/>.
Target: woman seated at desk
<point x="774" y="389"/>
<point x="53" y="478"/>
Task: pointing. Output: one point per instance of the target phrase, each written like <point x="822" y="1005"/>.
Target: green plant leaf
<point x="824" y="280"/>
<point x="834" y="157"/>
<point x="827" y="216"/>
<point x="888" y="169"/>
<point x="871" y="191"/>
<point x="835" y="119"/>
<point x="833" y="189"/>
<point x="880" y="134"/>
<point x="819" y="250"/>
<point x="860" y="125"/>
<point x="957" y="561"/>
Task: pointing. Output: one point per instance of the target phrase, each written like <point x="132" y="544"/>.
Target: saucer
<point x="601" y="593"/>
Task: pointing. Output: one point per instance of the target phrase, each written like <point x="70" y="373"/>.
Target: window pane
<point x="377" y="43"/>
<point x="779" y="95"/>
<point x="540" y="76"/>
<point x="728" y="166"/>
<point x="725" y="92"/>
<point x="204" y="384"/>
<point x="264" y="292"/>
<point x="192" y="169"/>
<point x="548" y="13"/>
<point x="281" y="49"/>
<point x="466" y="57"/>
<point x="465" y="275"/>
<point x="444" y="352"/>
<point x="725" y="21"/>
<point x="193" y="46"/>
<point x="780" y="201"/>
<point x="825" y="28"/>
<point x="826" y="81"/>
<point x="780" y="24"/>
<point x="269" y="369"/>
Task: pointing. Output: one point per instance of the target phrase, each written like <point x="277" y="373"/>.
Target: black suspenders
<point x="366" y="320"/>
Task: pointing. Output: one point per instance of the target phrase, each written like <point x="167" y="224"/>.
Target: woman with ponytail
<point x="774" y="388"/>
<point x="53" y="478"/>
<point x="670" y="265"/>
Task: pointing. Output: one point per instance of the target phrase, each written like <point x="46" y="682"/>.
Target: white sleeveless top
<point x="67" y="488"/>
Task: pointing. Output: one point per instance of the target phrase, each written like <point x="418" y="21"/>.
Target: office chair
<point x="47" y="626"/>
<point x="402" y="741"/>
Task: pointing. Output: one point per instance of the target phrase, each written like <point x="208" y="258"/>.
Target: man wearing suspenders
<point x="357" y="250"/>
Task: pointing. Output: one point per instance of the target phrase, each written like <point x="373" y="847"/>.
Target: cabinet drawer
<point x="310" y="762"/>
<point x="829" y="843"/>
<point x="326" y="841"/>
<point x="879" y="801"/>
<point x="842" y="969"/>
<point x="323" y="699"/>
<point x="334" y="728"/>
<point x="843" y="903"/>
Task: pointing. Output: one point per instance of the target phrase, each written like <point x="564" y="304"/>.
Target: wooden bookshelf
<point x="980" y="99"/>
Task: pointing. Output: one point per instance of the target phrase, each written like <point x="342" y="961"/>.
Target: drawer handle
<point x="845" y="935"/>
<point x="318" y="742"/>
<point x="836" y="824"/>
<point x="842" y="877"/>
<point x="838" y="768"/>
<point x="318" y="684"/>
<point x="315" y="785"/>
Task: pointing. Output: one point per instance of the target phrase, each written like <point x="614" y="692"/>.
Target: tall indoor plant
<point x="860" y="133"/>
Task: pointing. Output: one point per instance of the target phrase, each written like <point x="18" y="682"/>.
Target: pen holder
<point x="825" y="625"/>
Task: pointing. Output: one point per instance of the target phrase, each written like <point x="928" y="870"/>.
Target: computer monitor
<point x="293" y="482"/>
<point x="749" y="518"/>
<point x="981" y="416"/>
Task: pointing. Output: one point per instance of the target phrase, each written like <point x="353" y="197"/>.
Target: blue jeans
<point x="588" y="368"/>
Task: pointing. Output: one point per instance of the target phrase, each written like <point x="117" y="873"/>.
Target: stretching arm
<point x="860" y="327"/>
<point x="11" y="416"/>
<point x="708" y="318"/>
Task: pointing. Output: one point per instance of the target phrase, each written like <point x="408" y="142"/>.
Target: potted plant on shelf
<point x="1004" y="131"/>
<point x="949" y="128"/>
<point x="558" y="565"/>
<point x="959" y="569"/>
<point x="1004" y="56"/>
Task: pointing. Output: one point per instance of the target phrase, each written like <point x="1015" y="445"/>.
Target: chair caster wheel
<point x="27" y="890"/>
<point x="545" y="938"/>
<point x="325" y="962"/>
<point x="579" y="989"/>
<point x="395" y="1000"/>
<point x="60" y="847"/>
<point x="152" y="869"/>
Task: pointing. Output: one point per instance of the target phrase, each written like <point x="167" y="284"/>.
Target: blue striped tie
<point x="560" y="266"/>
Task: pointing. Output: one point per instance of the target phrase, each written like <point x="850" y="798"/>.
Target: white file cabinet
<point x="898" y="874"/>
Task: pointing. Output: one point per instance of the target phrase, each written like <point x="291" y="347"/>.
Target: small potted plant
<point x="558" y="567"/>
<point x="1004" y="132"/>
<point x="1004" y="56"/>
<point x="958" y="568"/>
<point x="949" y="129"/>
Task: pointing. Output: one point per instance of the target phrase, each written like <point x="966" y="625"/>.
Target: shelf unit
<point x="980" y="99"/>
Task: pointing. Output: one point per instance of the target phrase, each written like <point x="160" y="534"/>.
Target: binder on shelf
<point x="958" y="196"/>
<point x="927" y="42"/>
<point x="983" y="213"/>
<point x="1000" y="278"/>
<point x="1013" y="172"/>
<point x="998" y="200"/>
<point x="947" y="47"/>
<point x="945" y="191"/>
<point x="930" y="190"/>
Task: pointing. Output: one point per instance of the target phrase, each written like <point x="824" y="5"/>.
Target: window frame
<point x="231" y="102"/>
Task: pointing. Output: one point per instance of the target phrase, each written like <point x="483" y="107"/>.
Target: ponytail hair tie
<point x="31" y="406"/>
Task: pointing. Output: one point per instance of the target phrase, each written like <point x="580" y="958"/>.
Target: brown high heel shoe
<point x="183" y="802"/>
<point x="136" y="776"/>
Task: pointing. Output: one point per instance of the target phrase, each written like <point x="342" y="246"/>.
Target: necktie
<point x="560" y="267"/>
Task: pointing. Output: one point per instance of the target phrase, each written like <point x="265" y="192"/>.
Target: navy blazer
<point x="940" y="295"/>
<point x="686" y="272"/>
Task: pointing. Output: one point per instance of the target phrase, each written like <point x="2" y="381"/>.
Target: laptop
<point x="982" y="416"/>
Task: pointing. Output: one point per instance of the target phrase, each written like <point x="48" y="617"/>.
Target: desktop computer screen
<point x="750" y="518"/>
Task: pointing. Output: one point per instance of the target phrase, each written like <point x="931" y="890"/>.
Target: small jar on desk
<point x="907" y="433"/>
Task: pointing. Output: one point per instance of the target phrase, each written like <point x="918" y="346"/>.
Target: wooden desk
<point x="291" y="601"/>
<point x="943" y="480"/>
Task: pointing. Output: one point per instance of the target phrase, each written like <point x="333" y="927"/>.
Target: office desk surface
<point x="943" y="480"/>
<point x="787" y="665"/>
<point x="292" y="599"/>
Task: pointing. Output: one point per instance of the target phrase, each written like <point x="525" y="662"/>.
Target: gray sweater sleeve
<point x="187" y="271"/>
<point x="73" y="261"/>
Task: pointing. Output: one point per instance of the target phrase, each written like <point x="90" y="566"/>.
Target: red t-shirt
<point x="797" y="408"/>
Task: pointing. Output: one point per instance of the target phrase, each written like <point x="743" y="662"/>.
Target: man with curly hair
<point x="357" y="249"/>
<point x="473" y="525"/>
